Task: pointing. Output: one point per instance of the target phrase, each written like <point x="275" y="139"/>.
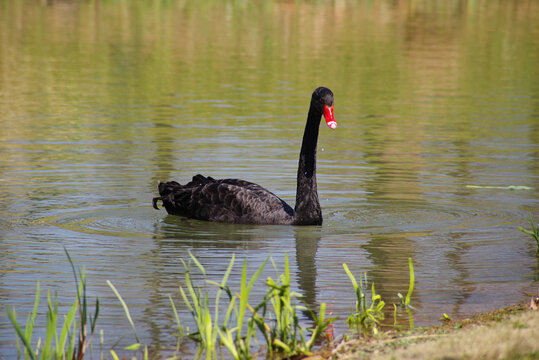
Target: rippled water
<point x="435" y="158"/>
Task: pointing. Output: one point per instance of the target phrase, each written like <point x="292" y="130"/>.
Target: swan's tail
<point x="175" y="196"/>
<point x="166" y="192"/>
<point x="154" y="202"/>
<point x="156" y="199"/>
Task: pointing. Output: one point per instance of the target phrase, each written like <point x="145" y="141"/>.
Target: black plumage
<point x="243" y="202"/>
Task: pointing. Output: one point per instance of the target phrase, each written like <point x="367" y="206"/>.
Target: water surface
<point x="435" y="158"/>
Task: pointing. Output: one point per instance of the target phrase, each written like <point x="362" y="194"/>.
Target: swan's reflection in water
<point x="307" y="240"/>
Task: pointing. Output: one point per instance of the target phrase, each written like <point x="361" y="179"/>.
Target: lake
<point x="436" y="157"/>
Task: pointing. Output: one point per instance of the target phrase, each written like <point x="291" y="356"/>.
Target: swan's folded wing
<point x="227" y="200"/>
<point x="239" y="202"/>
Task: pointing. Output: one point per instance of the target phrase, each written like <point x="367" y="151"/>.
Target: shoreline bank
<point x="508" y="333"/>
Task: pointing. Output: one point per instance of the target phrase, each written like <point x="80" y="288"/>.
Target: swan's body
<point x="226" y="200"/>
<point x="243" y="202"/>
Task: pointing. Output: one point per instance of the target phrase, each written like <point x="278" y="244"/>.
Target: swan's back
<point x="224" y="200"/>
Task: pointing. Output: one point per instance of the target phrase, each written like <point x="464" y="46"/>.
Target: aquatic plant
<point x="240" y="345"/>
<point x="277" y="318"/>
<point x="534" y="232"/>
<point x="76" y="334"/>
<point x="366" y="318"/>
<point x="368" y="315"/>
<point x="405" y="301"/>
<point x="197" y="303"/>
<point x="181" y="330"/>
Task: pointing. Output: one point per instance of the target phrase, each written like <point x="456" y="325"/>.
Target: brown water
<point x="436" y="156"/>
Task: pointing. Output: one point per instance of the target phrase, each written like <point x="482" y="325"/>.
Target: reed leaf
<point x="412" y="282"/>
<point x="178" y="324"/>
<point x="534" y="232"/>
<point x="222" y="286"/>
<point x="197" y="263"/>
<point x="126" y="309"/>
<point x="245" y="292"/>
<point x="22" y="335"/>
<point x="50" y="333"/>
<point x="32" y="318"/>
<point x="66" y="327"/>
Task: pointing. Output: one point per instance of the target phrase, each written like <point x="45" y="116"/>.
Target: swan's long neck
<point x="307" y="210"/>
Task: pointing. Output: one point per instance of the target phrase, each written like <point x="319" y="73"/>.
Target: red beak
<point x="328" y="114"/>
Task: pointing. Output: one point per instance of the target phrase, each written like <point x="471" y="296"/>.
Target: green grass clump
<point x="76" y="333"/>
<point x="366" y="318"/>
<point x="534" y="232"/>
<point x="240" y="345"/>
<point x="277" y="319"/>
<point x="235" y="325"/>
<point x="368" y="313"/>
<point x="208" y="330"/>
<point x="197" y="303"/>
<point x="405" y="301"/>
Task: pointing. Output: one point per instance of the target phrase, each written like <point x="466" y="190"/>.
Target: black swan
<point x="242" y="202"/>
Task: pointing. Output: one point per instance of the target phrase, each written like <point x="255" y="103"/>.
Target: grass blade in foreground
<point x="365" y="319"/>
<point x="126" y="310"/>
<point x="197" y="303"/>
<point x="181" y="331"/>
<point x="282" y="330"/>
<point x="22" y="335"/>
<point x="64" y="346"/>
<point x="239" y="345"/>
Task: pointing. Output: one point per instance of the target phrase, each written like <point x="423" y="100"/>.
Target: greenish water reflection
<point x="437" y="104"/>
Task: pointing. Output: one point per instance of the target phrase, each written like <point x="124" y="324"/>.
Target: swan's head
<point x="323" y="100"/>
